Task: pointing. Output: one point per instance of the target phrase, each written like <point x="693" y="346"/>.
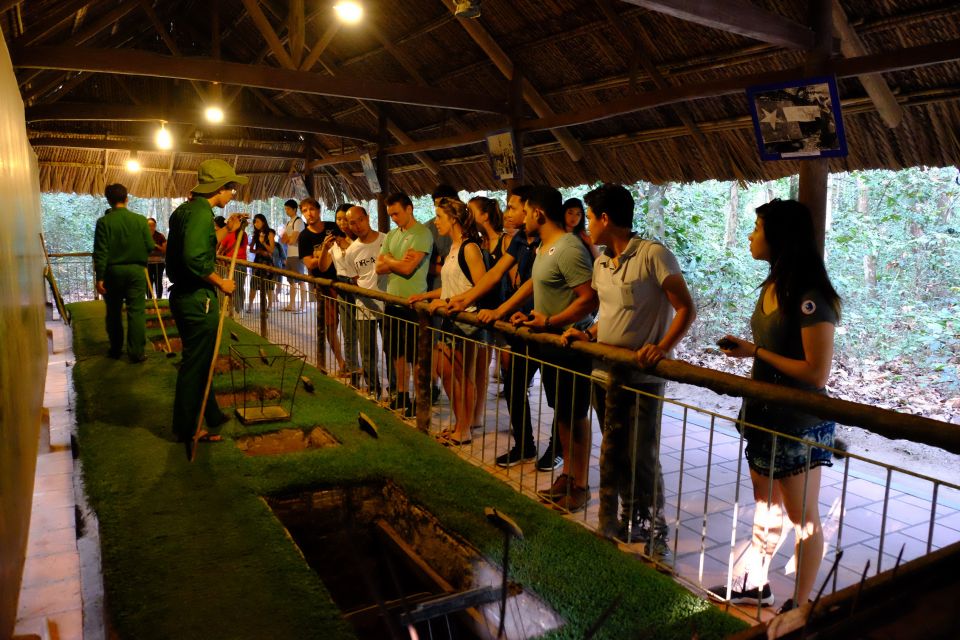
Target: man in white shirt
<point x="644" y="306"/>
<point x="360" y="262"/>
<point x="290" y="237"/>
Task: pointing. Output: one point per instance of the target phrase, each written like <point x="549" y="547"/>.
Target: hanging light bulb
<point x="214" y="114"/>
<point x="164" y="140"/>
<point x="349" y="11"/>
<point x="133" y="166"/>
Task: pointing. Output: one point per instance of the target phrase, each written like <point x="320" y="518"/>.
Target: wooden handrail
<point x="885" y="422"/>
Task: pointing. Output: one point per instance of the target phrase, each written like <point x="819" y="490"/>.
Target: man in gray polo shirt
<point x="644" y="306"/>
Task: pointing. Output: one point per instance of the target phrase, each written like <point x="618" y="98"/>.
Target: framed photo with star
<point x="798" y="119"/>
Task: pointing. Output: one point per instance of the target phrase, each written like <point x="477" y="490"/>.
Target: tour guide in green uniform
<point x="121" y="243"/>
<point x="191" y="250"/>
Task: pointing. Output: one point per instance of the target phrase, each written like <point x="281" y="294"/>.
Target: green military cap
<point x="213" y="174"/>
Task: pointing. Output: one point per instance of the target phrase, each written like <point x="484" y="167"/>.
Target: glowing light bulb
<point x="214" y="114"/>
<point x="349" y="11"/>
<point x="164" y="140"/>
<point x="133" y="166"/>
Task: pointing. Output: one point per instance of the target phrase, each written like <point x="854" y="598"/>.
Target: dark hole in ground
<point x="160" y="345"/>
<point x="380" y="555"/>
<point x="285" y="441"/>
<point x="154" y="323"/>
<point x="251" y="395"/>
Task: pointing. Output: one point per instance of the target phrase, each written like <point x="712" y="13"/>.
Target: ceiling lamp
<point x="133" y="166"/>
<point x="214" y="114"/>
<point x="349" y="11"/>
<point x="467" y="9"/>
<point x="163" y="139"/>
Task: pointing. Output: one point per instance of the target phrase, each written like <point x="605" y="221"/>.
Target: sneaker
<point x="754" y="596"/>
<point x="398" y="402"/>
<point x="435" y="394"/>
<point x="557" y="489"/>
<point x="549" y="461"/>
<point x="657" y="546"/>
<point x="574" y="500"/>
<point x="516" y="456"/>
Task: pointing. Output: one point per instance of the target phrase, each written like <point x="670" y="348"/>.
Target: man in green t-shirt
<point x="121" y="244"/>
<point x="405" y="259"/>
<point x="191" y="255"/>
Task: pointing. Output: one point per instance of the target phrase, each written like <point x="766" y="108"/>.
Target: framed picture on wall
<point x="798" y="119"/>
<point x="370" y="172"/>
<point x="504" y="155"/>
<point x="299" y="186"/>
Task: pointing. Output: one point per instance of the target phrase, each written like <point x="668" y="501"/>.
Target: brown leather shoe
<point x="575" y="500"/>
<point x="557" y="489"/>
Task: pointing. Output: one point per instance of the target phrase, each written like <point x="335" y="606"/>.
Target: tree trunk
<point x="654" y="194"/>
<point x="733" y="217"/>
<point x="870" y="258"/>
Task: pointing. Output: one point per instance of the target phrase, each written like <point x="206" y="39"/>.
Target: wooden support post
<point x="383" y="172"/>
<point x="813" y="173"/>
<point x="422" y="380"/>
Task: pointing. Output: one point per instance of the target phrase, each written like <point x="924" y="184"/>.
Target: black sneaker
<point x="516" y="456"/>
<point x="763" y="597"/>
<point x="658" y="546"/>
<point x="549" y="461"/>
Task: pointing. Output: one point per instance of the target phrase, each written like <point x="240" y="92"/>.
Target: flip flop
<point x="453" y="442"/>
<point x="210" y="437"/>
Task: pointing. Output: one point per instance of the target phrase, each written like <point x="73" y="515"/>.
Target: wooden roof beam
<point x="167" y="40"/>
<point x="736" y="16"/>
<point x="142" y="63"/>
<point x="876" y="87"/>
<point x="502" y="61"/>
<point x="296" y="29"/>
<point x="263" y="25"/>
<point x="181" y="146"/>
<point x="51" y="26"/>
<point x="134" y="113"/>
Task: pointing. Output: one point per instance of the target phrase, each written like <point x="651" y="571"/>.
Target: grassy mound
<point x="192" y="551"/>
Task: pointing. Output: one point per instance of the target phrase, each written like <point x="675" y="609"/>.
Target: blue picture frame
<point x="798" y="119"/>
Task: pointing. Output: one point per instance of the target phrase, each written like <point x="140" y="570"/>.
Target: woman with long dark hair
<point x="793" y="328"/>
<point x="459" y="351"/>
<point x="575" y="222"/>
<point x="263" y="239"/>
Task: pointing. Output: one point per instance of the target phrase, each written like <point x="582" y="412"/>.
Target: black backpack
<point x="490" y="300"/>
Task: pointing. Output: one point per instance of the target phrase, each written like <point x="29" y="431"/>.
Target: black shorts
<point x="400" y="325"/>
<point x="566" y="382"/>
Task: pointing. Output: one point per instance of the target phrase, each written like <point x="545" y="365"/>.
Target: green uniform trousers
<point x="197" y="314"/>
<point x="126" y="283"/>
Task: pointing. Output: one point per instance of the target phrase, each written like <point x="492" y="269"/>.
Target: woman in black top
<point x="793" y="328"/>
<point x="263" y="239"/>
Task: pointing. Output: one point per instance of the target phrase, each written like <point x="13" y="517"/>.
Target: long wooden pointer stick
<point x="216" y="345"/>
<point x="156" y="307"/>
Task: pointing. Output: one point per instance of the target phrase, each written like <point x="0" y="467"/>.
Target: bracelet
<point x="546" y="323"/>
<point x="756" y="350"/>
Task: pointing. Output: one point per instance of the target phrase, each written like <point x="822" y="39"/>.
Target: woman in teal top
<point x="793" y="326"/>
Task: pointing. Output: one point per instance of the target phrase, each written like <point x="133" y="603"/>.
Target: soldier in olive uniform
<point x="121" y="244"/>
<point x="191" y="251"/>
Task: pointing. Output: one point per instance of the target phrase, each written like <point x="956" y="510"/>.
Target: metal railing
<point x="74" y="275"/>
<point x="877" y="514"/>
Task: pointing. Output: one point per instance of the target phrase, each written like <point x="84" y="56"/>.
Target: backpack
<point x="279" y="254"/>
<point x="491" y="299"/>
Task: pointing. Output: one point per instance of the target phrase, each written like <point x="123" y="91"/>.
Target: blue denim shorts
<point x="790" y="456"/>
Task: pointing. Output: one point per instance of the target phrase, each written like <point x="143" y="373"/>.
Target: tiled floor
<point x="50" y="602"/>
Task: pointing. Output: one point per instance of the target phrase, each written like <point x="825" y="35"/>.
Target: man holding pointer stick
<point x="191" y="251"/>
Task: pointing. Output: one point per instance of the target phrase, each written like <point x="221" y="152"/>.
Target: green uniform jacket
<point x="121" y="237"/>
<point x="191" y="245"/>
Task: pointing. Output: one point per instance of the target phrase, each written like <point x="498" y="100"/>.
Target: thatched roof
<point x="572" y="56"/>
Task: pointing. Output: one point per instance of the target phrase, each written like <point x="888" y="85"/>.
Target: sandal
<point x="206" y="436"/>
<point x="450" y="441"/>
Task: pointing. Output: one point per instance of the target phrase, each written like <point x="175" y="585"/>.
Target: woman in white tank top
<point x="460" y="351"/>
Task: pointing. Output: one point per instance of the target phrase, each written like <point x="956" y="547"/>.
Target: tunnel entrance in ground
<point x="389" y="563"/>
<point x="286" y="441"/>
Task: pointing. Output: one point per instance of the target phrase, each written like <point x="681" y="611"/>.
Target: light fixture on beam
<point x="213" y="114"/>
<point x="133" y="166"/>
<point x="163" y="138"/>
<point x="467" y="9"/>
<point x="349" y="11"/>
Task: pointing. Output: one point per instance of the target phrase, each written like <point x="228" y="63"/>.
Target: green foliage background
<point x="909" y="228"/>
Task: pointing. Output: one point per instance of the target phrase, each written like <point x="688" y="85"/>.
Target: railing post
<point x="263" y="296"/>
<point x="321" y="327"/>
<point x="93" y="270"/>
<point x="422" y="379"/>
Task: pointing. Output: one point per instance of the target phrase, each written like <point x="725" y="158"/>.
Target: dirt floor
<point x="905" y="397"/>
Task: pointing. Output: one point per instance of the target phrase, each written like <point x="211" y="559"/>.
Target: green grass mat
<point x="191" y="550"/>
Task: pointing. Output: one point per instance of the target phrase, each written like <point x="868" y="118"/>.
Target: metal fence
<point x="510" y="387"/>
<point x="74" y="275"/>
